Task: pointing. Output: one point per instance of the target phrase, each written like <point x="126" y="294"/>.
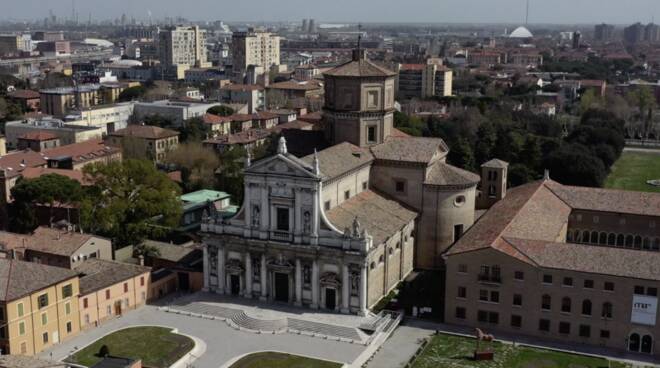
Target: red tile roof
<point x="83" y="151"/>
<point x="38" y="135"/>
<point x="25" y="94"/>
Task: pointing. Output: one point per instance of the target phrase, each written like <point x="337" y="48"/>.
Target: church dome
<point x="521" y="32"/>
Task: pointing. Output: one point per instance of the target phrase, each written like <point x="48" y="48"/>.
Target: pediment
<point x="282" y="165"/>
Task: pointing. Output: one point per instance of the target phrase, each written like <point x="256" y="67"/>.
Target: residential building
<point x="484" y="58"/>
<point x="145" y="141"/>
<point x="253" y="48"/>
<point x="54" y="48"/>
<point x="62" y="248"/>
<point x="39" y="306"/>
<point x="28" y="99"/>
<point x="293" y="89"/>
<point x="250" y="94"/>
<point x="181" y="48"/>
<point x="37" y="141"/>
<point x="570" y="264"/>
<point x="108" y="289"/>
<point x="199" y="204"/>
<point x="176" y="268"/>
<point x="66" y="132"/>
<point x="60" y="101"/>
<point x="604" y="32"/>
<point x="424" y="80"/>
<point x="176" y="111"/>
<point x="14" y="44"/>
<point x="108" y="117"/>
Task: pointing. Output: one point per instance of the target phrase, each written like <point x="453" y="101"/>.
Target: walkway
<point x="400" y="347"/>
<point x="223" y="342"/>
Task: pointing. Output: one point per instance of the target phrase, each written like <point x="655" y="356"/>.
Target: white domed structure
<point x="127" y="62"/>
<point x="521" y="32"/>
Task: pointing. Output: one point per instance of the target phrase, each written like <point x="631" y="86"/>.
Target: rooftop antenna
<point x="359" y="43"/>
<point x="527" y="14"/>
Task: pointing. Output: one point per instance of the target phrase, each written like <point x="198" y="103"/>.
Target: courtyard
<point x="450" y="351"/>
<point x="279" y="360"/>
<point x="633" y="170"/>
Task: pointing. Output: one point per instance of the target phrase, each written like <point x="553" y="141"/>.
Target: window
<point x="23" y="348"/>
<point x="544" y="325"/>
<point x="85" y="303"/>
<point x="585" y="331"/>
<point x="42" y="301"/>
<point x="586" y="307"/>
<point x="460" y="312"/>
<point x="609" y="286"/>
<point x="604" y="334"/>
<point x="67" y="308"/>
<point x="19" y="308"/>
<point x="142" y="281"/>
<point x="347" y="194"/>
<point x="568" y="281"/>
<point x="547" y="279"/>
<point x="108" y="310"/>
<point x="566" y="305"/>
<point x="462" y="268"/>
<point x="282" y="219"/>
<point x="588" y="284"/>
<point x="67" y="291"/>
<point x="69" y="328"/>
<point x="107" y="294"/>
<point x="458" y="232"/>
<point x="364" y="185"/>
<point x="519" y="275"/>
<point x="44" y="319"/>
<point x="45" y="337"/>
<point x="546" y="302"/>
<point x="651" y="291"/>
<point x="639" y="290"/>
<point x="489" y="317"/>
<point x="462" y="292"/>
<point x="372" y="98"/>
<point x="495" y="296"/>
<point x="326" y="205"/>
<point x="517" y="300"/>
<point x="399" y="186"/>
<point x="126" y="287"/>
<point x="516" y="321"/>
<point x="483" y="295"/>
<point x="564" y="328"/>
<point x="607" y="310"/>
<point x="21" y="328"/>
<point x="144" y="296"/>
<point x="371" y="134"/>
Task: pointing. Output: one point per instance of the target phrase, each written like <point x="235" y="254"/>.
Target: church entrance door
<point x="235" y="281"/>
<point x="281" y="287"/>
<point x="330" y="295"/>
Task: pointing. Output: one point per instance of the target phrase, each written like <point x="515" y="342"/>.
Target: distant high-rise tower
<point x="312" y="26"/>
<point x="183" y="46"/>
<point x="576" y="40"/>
<point x="254" y="48"/>
<point x="603" y="32"/>
<point x="305" y="26"/>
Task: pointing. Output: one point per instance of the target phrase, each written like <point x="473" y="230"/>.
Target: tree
<point x="146" y="251"/>
<point x="193" y="130"/>
<point x="130" y="201"/>
<point x="531" y="154"/>
<point x="276" y="99"/>
<point x="158" y="120"/>
<point x="51" y="190"/>
<point x="197" y="164"/>
<point x="589" y="100"/>
<point x="221" y="110"/>
<point x="230" y="174"/>
<point x="575" y="164"/>
<point x="486" y="140"/>
<point x="461" y="155"/>
<point x="132" y="93"/>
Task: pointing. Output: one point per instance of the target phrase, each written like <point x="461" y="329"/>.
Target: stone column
<point x="346" y="290"/>
<point x="222" y="279"/>
<point x="315" y="285"/>
<point x="248" y="275"/>
<point x="264" y="271"/>
<point x="363" y="290"/>
<point x="298" y="283"/>
<point x="207" y="269"/>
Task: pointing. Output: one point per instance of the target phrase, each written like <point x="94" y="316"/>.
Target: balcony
<point x="281" y="236"/>
<point x="489" y="279"/>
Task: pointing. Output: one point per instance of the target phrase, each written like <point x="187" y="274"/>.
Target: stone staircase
<point x="324" y="329"/>
<point x="246" y="322"/>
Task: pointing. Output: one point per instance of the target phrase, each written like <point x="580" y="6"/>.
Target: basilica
<point x="338" y="229"/>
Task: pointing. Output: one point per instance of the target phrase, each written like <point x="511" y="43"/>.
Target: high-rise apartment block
<point x="254" y="48"/>
<point x="638" y="33"/>
<point x="604" y="32"/>
<point x="425" y="80"/>
<point x="183" y="47"/>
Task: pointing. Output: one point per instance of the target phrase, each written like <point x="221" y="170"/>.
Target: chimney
<point x="141" y="260"/>
<point x="546" y="175"/>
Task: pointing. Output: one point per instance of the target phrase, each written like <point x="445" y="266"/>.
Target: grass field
<point x="156" y="346"/>
<point x="279" y="360"/>
<point x="448" y="351"/>
<point x="632" y="171"/>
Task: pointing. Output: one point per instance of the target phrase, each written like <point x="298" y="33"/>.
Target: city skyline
<point x="447" y="11"/>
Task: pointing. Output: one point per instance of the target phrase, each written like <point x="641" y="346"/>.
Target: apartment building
<point x="66" y="132"/>
<point x="571" y="264"/>
<point x="38" y="306"/>
<point x="176" y="111"/>
<point x="145" y="141"/>
<point x="181" y="48"/>
<point x="425" y="80"/>
<point x="60" y="101"/>
<point x="254" y="48"/>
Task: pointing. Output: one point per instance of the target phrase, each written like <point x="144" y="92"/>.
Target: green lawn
<point x="449" y="351"/>
<point x="632" y="171"/>
<point x="156" y="346"/>
<point x="279" y="360"/>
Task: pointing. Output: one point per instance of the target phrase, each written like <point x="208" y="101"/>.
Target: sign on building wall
<point x="644" y="310"/>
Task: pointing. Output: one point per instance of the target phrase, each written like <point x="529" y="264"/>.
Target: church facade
<point x="340" y="228"/>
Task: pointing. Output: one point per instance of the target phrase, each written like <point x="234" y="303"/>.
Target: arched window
<point x="607" y="310"/>
<point x="656" y="244"/>
<point x="594" y="237"/>
<point x="611" y="239"/>
<point x="619" y="240"/>
<point x="646" y="243"/>
<point x="586" y="307"/>
<point x="569" y="237"/>
<point x="647" y="344"/>
<point x="633" y="342"/>
<point x="546" y="302"/>
<point x="576" y="237"/>
<point x="585" y="237"/>
<point x="629" y="241"/>
<point x="566" y="305"/>
<point x="602" y="239"/>
<point x="638" y="242"/>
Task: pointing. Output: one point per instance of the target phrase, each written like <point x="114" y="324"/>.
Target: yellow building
<point x="38" y="307"/>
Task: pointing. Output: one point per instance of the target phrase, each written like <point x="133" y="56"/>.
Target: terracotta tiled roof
<point x="416" y="67"/>
<point x="10" y="241"/>
<point x="411" y="149"/>
<point x="215" y="119"/>
<point x="264" y="115"/>
<point x="97" y="274"/>
<point x="340" y="159"/>
<point x="145" y="132"/>
<point x="298" y="86"/>
<point x="398" y="134"/>
<point x="495" y="163"/>
<point x="245" y="137"/>
<point x="14" y="163"/>
<point x="55" y="241"/>
<point x="38" y="135"/>
<point x="608" y="200"/>
<point x="443" y="174"/>
<point x="243" y="87"/>
<point x="35" y="172"/>
<point x="18" y="278"/>
<point x="313" y="117"/>
<point x="381" y="217"/>
<point x="83" y="151"/>
<point x="296" y="124"/>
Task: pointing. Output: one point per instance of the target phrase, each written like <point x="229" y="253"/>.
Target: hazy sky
<point x="441" y="11"/>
